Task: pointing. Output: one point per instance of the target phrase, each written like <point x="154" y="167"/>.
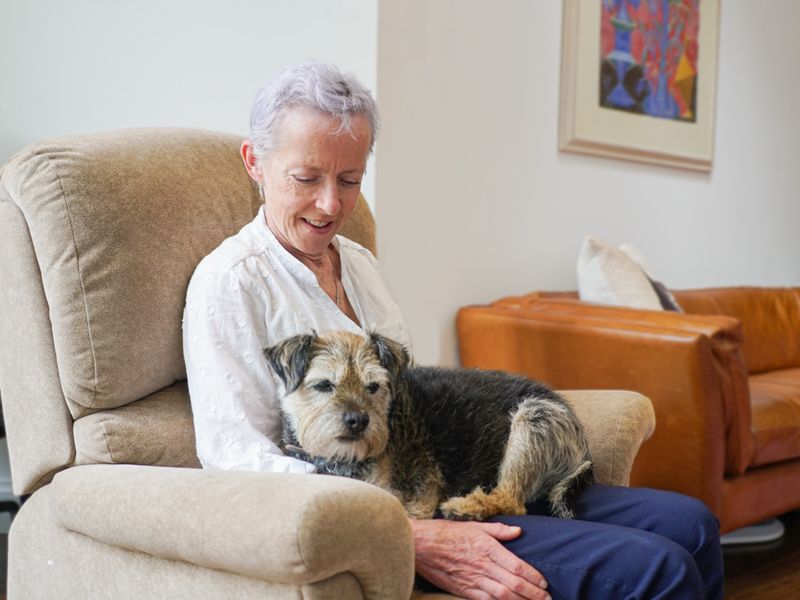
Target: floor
<point x="766" y="571"/>
<point x="758" y="572"/>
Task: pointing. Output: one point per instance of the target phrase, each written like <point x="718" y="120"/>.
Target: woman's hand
<point x="466" y="558"/>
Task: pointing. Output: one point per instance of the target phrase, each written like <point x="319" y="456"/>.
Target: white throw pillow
<point x="608" y="275"/>
<point x="668" y="301"/>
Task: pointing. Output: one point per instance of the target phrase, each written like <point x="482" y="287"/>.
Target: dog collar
<point x="353" y="469"/>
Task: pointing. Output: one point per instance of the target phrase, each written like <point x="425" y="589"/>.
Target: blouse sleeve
<point x="232" y="392"/>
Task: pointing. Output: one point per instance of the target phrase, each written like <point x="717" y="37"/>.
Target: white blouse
<point x="245" y="296"/>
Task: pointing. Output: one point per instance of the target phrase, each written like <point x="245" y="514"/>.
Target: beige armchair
<point x="99" y="235"/>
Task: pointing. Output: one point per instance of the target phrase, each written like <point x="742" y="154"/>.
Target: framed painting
<point x="638" y="80"/>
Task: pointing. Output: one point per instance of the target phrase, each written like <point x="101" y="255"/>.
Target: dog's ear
<point x="289" y="359"/>
<point x="393" y="355"/>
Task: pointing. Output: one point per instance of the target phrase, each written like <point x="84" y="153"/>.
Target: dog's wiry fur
<point x="463" y="443"/>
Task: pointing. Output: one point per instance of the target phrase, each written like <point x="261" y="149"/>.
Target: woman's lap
<point x="624" y="543"/>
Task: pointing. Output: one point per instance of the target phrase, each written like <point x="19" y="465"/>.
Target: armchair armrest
<point x="689" y="366"/>
<point x="616" y="423"/>
<point x="276" y="527"/>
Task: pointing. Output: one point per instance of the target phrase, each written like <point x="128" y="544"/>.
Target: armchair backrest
<point x="99" y="235"/>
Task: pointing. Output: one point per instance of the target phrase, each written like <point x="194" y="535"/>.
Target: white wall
<point x="90" y="65"/>
<point x="473" y="199"/>
<point x="475" y="202"/>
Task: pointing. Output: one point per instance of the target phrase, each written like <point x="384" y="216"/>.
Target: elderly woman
<point x="287" y="272"/>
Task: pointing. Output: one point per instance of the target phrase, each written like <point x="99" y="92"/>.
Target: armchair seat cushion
<point x="775" y="402"/>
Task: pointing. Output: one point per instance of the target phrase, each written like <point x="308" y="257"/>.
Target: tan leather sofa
<point x="99" y="235"/>
<point x="724" y="379"/>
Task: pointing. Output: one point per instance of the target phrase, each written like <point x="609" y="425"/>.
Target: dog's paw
<point x="462" y="508"/>
<point x="475" y="506"/>
<point x="479" y="506"/>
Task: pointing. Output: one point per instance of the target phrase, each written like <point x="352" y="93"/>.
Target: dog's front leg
<point x="419" y="492"/>
<point x="424" y="504"/>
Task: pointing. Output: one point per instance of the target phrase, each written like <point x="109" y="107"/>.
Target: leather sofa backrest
<point x="770" y="319"/>
<point x="99" y="235"/>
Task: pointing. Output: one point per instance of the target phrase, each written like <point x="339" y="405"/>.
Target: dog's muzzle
<point x="355" y="422"/>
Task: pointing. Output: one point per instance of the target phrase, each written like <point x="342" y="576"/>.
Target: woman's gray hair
<point x="322" y="87"/>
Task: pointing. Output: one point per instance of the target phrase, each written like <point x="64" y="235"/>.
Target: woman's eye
<point x="351" y="182"/>
<point x="373" y="387"/>
<point x="323" y="386"/>
<point x="304" y="179"/>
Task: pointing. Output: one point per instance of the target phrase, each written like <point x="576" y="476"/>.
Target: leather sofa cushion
<point x="775" y="402"/>
<point x="156" y="430"/>
<point x="770" y="320"/>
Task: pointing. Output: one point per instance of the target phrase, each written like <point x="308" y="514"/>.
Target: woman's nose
<point x="328" y="200"/>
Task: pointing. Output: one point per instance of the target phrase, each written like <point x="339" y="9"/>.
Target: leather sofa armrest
<point x="689" y="366"/>
<point x="616" y="423"/>
<point x="277" y="527"/>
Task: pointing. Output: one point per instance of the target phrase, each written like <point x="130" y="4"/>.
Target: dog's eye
<point x="323" y="386"/>
<point x="373" y="387"/>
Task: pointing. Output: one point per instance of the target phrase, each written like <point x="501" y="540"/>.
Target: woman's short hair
<point x="322" y="87"/>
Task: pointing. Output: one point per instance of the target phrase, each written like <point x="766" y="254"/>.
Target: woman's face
<point x="312" y="178"/>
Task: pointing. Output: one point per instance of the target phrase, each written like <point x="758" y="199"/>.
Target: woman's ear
<point x="251" y="161"/>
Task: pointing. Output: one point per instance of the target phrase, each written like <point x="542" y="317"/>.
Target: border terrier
<point x="464" y="444"/>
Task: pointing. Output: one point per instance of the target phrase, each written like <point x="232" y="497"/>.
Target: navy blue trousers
<point x="624" y="544"/>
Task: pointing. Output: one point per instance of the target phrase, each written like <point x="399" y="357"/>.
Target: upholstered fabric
<point x="156" y="430"/>
<point x="38" y="423"/>
<point x="290" y="529"/>
<point x="616" y="423"/>
<point x="49" y="562"/>
<point x="112" y="217"/>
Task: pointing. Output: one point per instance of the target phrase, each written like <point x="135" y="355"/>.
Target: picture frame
<point x="683" y="140"/>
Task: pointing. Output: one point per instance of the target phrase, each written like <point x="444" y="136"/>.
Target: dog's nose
<point x="356" y="422"/>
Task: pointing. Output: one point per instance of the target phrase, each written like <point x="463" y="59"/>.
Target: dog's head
<point x="338" y="391"/>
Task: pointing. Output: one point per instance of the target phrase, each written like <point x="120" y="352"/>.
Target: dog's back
<point x="467" y="414"/>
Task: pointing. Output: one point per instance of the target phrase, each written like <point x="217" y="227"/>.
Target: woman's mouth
<point x="320" y="226"/>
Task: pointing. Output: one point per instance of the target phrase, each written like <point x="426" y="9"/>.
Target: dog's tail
<point x="561" y="499"/>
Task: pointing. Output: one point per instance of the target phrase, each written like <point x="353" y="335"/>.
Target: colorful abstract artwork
<point x="649" y="57"/>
